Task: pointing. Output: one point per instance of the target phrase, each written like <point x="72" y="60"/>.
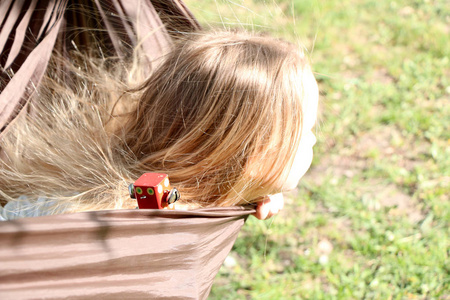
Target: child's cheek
<point x="302" y="162"/>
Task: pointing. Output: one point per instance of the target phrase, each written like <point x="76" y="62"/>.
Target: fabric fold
<point x="30" y="30"/>
<point x="120" y="254"/>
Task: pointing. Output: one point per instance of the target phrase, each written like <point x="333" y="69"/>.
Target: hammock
<point x="120" y="254"/>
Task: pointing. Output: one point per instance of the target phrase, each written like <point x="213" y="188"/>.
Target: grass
<point x="371" y="219"/>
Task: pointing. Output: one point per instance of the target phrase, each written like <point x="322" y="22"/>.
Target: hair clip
<point x="153" y="191"/>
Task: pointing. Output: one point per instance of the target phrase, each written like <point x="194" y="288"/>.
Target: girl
<point x="228" y="116"/>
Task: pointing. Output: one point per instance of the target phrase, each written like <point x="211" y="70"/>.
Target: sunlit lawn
<point x="371" y="219"/>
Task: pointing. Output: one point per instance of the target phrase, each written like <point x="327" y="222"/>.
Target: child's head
<point x="224" y="115"/>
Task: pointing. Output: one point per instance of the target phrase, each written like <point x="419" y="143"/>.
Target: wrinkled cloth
<point x="119" y="254"/>
<point x="31" y="29"/>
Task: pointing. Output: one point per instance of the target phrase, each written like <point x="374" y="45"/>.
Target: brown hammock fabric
<point x="31" y="29"/>
<point x="121" y="254"/>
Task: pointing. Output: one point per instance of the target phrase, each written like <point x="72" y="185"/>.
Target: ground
<point x="371" y="218"/>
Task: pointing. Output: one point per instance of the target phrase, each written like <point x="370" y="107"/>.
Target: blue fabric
<point x="24" y="208"/>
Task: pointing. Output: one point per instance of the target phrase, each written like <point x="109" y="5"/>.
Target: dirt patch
<point x="362" y="152"/>
<point x="387" y="140"/>
<point x="381" y="76"/>
<point x="335" y="167"/>
<point x="377" y="195"/>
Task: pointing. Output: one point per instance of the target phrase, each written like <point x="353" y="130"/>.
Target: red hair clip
<point x="152" y="191"/>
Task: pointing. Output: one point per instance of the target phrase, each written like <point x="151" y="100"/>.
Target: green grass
<point x="378" y="191"/>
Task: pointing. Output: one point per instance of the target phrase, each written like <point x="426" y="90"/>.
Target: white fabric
<point x="24" y="208"/>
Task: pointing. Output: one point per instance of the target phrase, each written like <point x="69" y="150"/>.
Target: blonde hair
<point x="221" y="114"/>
